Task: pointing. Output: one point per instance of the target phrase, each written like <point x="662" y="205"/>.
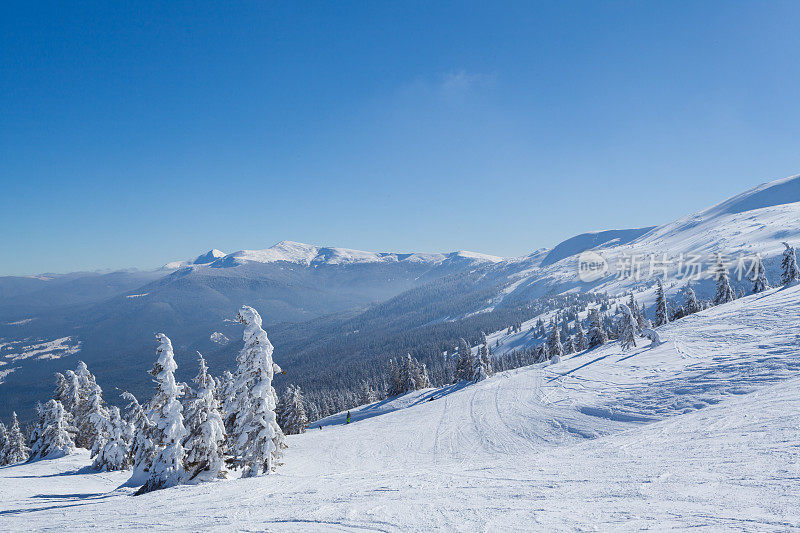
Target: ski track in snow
<point x="700" y="432"/>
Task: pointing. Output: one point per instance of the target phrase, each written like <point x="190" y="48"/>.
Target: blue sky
<point x="132" y="134"/>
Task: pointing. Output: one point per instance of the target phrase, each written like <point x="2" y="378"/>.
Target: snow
<point x="699" y="432"/>
<point x="309" y="255"/>
<point x="41" y="350"/>
<point x="755" y="221"/>
<point x="219" y="338"/>
<point x="20" y="322"/>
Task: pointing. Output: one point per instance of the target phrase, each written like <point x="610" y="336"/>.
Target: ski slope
<point x="702" y="432"/>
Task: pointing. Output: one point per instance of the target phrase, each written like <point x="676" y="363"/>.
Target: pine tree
<point x="52" y="438"/>
<point x="142" y="450"/>
<point x="627" y="327"/>
<point x="113" y="455"/>
<point x="257" y="439"/>
<point x="166" y="413"/>
<point x="724" y="292"/>
<point x="789" y="269"/>
<point x="662" y="308"/>
<point x="597" y="331"/>
<point x="15" y="450"/>
<point x="206" y="431"/>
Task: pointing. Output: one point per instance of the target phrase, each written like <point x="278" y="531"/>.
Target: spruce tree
<point x="627" y="328"/>
<point x="80" y="405"/>
<point x="257" y="439"/>
<point x="555" y="350"/>
<point x="3" y="442"/>
<point x="53" y="438"/>
<point x="142" y="450"/>
<point x="760" y="282"/>
<point x="724" y="292"/>
<point x="789" y="269"/>
<point x="662" y="308"/>
<point x="166" y="413"/>
<point x="206" y="431"/>
<point x="597" y="331"/>
<point x="296" y="418"/>
<point x="113" y="455"/>
<point x="465" y="364"/>
<point x="95" y="422"/>
<point x="691" y="304"/>
<point x="15" y="450"/>
<point x="581" y="342"/>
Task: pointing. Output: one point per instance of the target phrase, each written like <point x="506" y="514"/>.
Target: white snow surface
<point x="309" y="255"/>
<point x="699" y="433"/>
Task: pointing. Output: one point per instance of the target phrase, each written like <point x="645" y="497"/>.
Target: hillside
<point x="700" y="432"/>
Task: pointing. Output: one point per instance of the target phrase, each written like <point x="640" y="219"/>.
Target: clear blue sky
<point x="134" y="133"/>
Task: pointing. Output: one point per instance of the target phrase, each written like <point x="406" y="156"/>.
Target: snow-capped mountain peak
<point x="309" y="254"/>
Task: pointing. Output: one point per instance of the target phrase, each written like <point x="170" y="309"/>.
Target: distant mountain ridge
<point x="309" y="254"/>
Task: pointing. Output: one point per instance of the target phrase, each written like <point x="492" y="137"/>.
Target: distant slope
<point x="587" y="241"/>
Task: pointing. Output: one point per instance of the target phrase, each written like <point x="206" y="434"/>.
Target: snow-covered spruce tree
<point x="256" y="440"/>
<point x="167" y="416"/>
<point x="627" y="327"/>
<point x="53" y="438"/>
<point x="690" y="301"/>
<point x="206" y="440"/>
<point x="724" y="292"/>
<point x="282" y="407"/>
<point x="3" y="442"/>
<point x="95" y="428"/>
<point x="486" y="360"/>
<point x="597" y="331"/>
<point x="554" y="347"/>
<point x="481" y="367"/>
<point x="581" y="342"/>
<point x="70" y="396"/>
<point x="662" y="308"/>
<point x="113" y="455"/>
<point x="15" y="450"/>
<point x="368" y="395"/>
<point x="759" y="279"/>
<point x="296" y="418"/>
<point x="465" y="363"/>
<point x="142" y="450"/>
<point x="789" y="269"/>
<point x="81" y="406"/>
<point x="569" y="345"/>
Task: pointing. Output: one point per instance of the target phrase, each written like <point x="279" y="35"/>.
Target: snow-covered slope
<point x="700" y="432"/>
<point x="754" y="222"/>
